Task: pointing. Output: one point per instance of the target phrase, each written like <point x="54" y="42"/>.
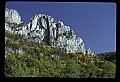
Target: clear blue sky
<point x="94" y="22"/>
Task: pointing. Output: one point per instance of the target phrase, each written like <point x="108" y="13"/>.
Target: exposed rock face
<point x="46" y="29"/>
<point x="13" y="19"/>
<point x="12" y="16"/>
<point x="55" y="33"/>
<point x="90" y="52"/>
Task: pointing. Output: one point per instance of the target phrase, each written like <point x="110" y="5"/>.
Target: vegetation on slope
<point x="109" y="56"/>
<point x="38" y="60"/>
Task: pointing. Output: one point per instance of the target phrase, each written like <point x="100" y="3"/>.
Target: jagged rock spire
<point x="12" y="16"/>
<point x="46" y="29"/>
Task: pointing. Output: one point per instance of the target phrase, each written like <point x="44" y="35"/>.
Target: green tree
<point x="72" y="69"/>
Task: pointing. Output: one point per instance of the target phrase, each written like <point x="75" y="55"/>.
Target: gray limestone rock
<point x="90" y="52"/>
<point x="44" y="28"/>
<point x="12" y="16"/>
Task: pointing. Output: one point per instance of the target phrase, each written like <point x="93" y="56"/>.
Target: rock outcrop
<point x="47" y="30"/>
<point x="12" y="16"/>
<point x="89" y="51"/>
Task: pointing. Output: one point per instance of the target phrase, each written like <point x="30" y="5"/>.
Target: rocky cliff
<point x="45" y="30"/>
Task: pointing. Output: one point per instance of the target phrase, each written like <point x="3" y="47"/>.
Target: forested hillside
<point x="29" y="59"/>
<point x="45" y="47"/>
<point x="109" y="56"/>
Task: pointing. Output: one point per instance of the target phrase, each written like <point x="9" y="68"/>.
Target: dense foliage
<point x="39" y="60"/>
<point x="109" y="56"/>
